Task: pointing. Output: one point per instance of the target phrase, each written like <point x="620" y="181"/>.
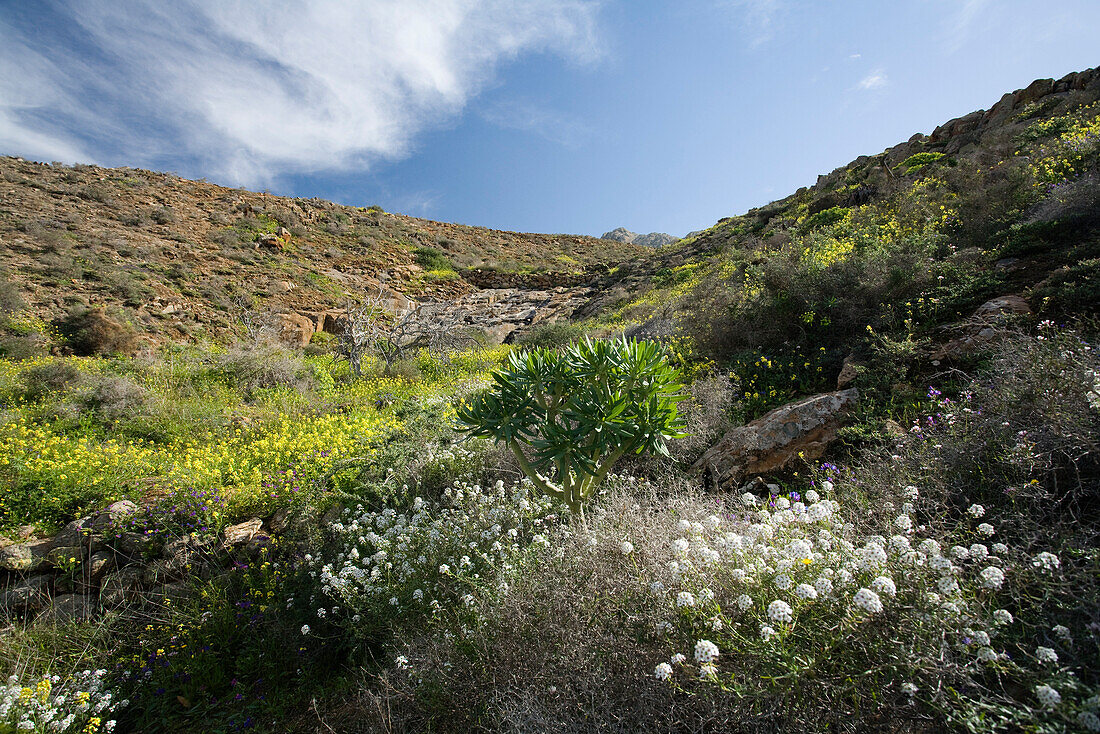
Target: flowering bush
<point x="83" y="702"/>
<point x="436" y="558"/>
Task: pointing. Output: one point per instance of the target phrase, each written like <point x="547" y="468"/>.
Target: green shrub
<point x="823" y="218"/>
<point x="90" y="331"/>
<point x="579" y="411"/>
<point x="917" y="161"/>
<point x="432" y="259"/>
<point x="553" y="335"/>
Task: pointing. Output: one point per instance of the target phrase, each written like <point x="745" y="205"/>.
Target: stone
<point x="25" y="557"/>
<point x="980" y="331"/>
<point x="62" y="556"/>
<point x="850" y="369"/>
<point x="67" y="609"/>
<point x="28" y="596"/>
<point x="894" y="429"/>
<point x="181" y="555"/>
<point x="798" y="431"/>
<point x="99" y="564"/>
<point x="121" y="586"/>
<point x="1009" y="305"/>
<point x="296" y="329"/>
<point x="74" y="534"/>
<point x="243" y="532"/>
<point x="169" y="594"/>
<point x="113" y="514"/>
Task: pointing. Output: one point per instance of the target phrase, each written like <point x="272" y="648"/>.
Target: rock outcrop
<point x="503" y="314"/>
<point x="653" y="239"/>
<point x="797" y="431"/>
<point x="104" y="560"/>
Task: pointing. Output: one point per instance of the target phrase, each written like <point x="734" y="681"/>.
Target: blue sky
<point x="533" y="115"/>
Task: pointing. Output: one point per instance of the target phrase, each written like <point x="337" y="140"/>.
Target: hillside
<point x="844" y="479"/>
<point x="910" y="241"/>
<point x="178" y="257"/>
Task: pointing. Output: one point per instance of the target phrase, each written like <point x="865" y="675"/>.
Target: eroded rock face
<point x="773" y="441"/>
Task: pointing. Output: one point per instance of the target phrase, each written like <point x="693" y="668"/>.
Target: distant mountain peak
<point x="653" y="239"/>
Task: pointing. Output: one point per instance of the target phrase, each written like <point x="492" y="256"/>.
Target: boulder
<point x="29" y="596"/>
<point x="121" y="587"/>
<point x="73" y="534"/>
<point x="850" y="369"/>
<point x="243" y="532"/>
<point x="99" y="564"/>
<point x="794" y="432"/>
<point x="25" y="557"/>
<point x="113" y="514"/>
<point x="982" y="328"/>
<point x="295" y="328"/>
<point x="66" y="609"/>
<point x="1006" y="305"/>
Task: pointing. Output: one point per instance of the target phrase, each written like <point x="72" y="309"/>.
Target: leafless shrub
<point x="370" y="328"/>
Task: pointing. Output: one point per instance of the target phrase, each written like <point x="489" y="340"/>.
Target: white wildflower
<point x="987" y="654"/>
<point x="705" y="651"/>
<point x="780" y="611"/>
<point x="1002" y="616"/>
<point x="884" y="585"/>
<point x="986" y="529"/>
<point x="679" y="658"/>
<point x="707" y="671"/>
<point x="626" y="547"/>
<point x="1048" y="696"/>
<point x="663" y="671"/>
<point x="685" y="599"/>
<point x="805" y="591"/>
<point x="1062" y="631"/>
<point x="1046" y="655"/>
<point x="976" y="510"/>
<point x="992" y="577"/>
<point x="1046" y="561"/>
<point x="868" y="601"/>
<point x="1087" y="719"/>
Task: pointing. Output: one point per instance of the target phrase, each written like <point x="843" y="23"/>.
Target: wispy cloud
<point x="249" y="92"/>
<point x="529" y="117"/>
<point x="757" y="18"/>
<point x="959" y="24"/>
<point x="877" y="79"/>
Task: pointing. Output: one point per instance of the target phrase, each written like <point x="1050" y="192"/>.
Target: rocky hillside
<point x="653" y="239"/>
<point x="179" y="258"/>
<point x="1004" y="200"/>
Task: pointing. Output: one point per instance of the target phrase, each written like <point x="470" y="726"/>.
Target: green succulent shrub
<point x="569" y="415"/>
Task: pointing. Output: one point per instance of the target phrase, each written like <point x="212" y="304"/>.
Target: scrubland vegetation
<point x="938" y="570"/>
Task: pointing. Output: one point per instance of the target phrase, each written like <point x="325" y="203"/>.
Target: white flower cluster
<point x="434" y="554"/>
<point x="53" y="704"/>
<point x="770" y="560"/>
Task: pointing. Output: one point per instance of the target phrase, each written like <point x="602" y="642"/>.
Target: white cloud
<point x="875" y="80"/>
<point x="855" y="57"/>
<point x="756" y="16"/>
<point x="958" y="25"/>
<point x="252" y="91"/>
<point x="530" y="117"/>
